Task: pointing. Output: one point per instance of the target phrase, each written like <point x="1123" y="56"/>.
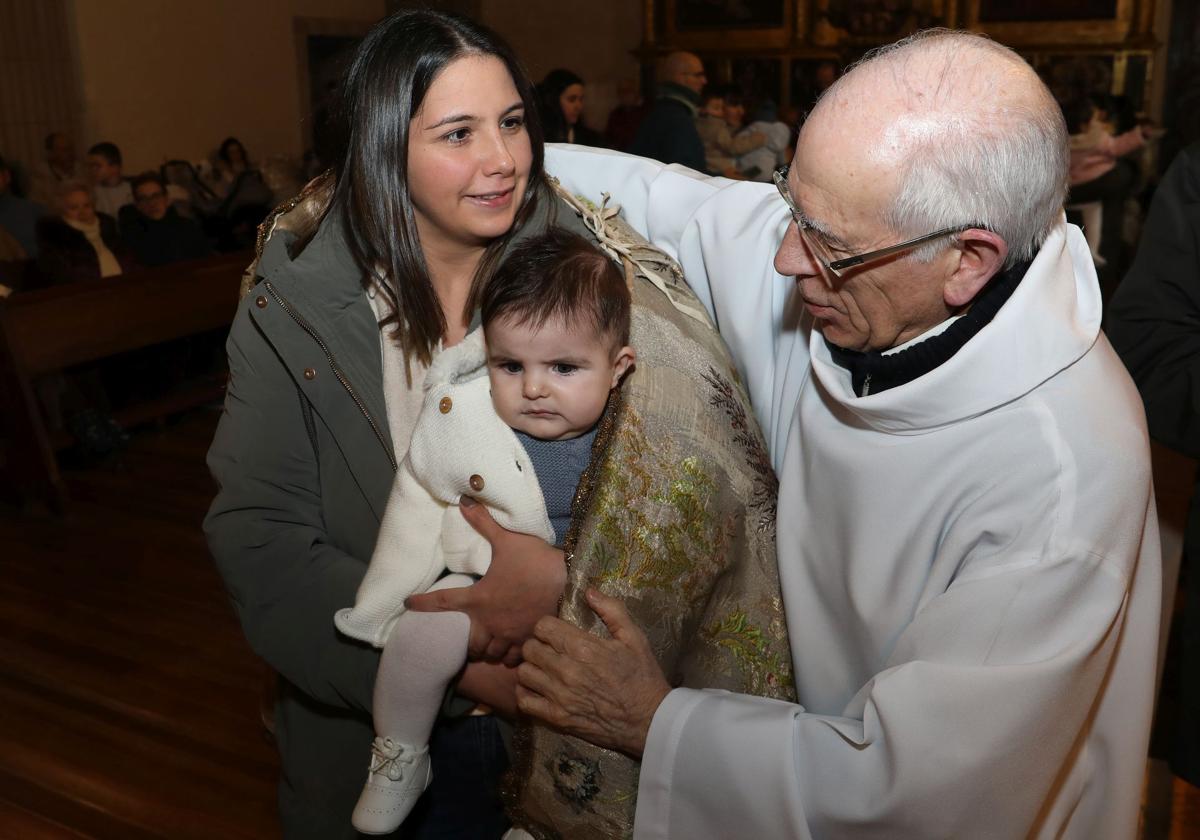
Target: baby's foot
<point x="398" y="775"/>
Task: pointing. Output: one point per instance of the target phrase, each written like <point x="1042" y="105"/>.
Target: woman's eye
<point x="459" y="135"/>
<point x="512" y="122"/>
<point x="565" y="369"/>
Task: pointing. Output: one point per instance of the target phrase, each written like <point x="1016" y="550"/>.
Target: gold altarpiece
<point x="775" y="46"/>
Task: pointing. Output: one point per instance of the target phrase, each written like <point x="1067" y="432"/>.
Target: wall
<point x="37" y="78"/>
<point x="593" y="39"/>
<point x="172" y="79"/>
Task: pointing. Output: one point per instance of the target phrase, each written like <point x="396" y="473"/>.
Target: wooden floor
<point x="129" y="702"/>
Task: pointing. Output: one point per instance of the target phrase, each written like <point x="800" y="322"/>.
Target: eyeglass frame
<point x="836" y="267"/>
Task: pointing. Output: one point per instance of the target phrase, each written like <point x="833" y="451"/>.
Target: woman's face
<point x="571" y="103"/>
<point x="77" y="207"/>
<point x="235" y="154"/>
<point x="469" y="156"/>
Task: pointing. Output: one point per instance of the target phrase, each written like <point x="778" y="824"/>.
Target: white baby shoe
<point x="398" y="775"/>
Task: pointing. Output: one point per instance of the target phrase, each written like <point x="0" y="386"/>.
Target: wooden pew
<point x="48" y="330"/>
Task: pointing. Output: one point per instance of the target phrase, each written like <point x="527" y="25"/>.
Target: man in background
<point x="153" y="228"/>
<point x="668" y="134"/>
<point x="59" y="168"/>
<point x="111" y="188"/>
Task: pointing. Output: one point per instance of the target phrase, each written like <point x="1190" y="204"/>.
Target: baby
<point x="509" y="418"/>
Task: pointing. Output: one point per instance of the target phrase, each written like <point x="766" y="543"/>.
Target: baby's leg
<point x="422" y="654"/>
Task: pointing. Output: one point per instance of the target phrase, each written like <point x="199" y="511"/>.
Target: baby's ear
<point x="623" y="360"/>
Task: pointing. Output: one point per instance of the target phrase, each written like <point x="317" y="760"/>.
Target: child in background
<point x="509" y="418"/>
<point x="720" y="146"/>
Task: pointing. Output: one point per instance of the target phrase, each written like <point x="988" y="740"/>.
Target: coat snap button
<point x="310" y="374"/>
<point x="260" y="302"/>
<point x="445" y="405"/>
<point x="476" y="482"/>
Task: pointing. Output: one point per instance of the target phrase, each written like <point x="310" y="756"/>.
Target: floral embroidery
<point x="576" y="779"/>
<point x="766" y="670"/>
<point x="654" y="518"/>
<point x="745" y="433"/>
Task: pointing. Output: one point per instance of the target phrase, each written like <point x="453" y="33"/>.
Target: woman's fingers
<point x="441" y="600"/>
<point x="480" y="519"/>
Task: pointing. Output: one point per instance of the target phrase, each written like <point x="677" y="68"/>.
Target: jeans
<point x="463" y="801"/>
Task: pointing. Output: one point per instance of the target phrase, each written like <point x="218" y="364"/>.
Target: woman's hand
<point x="523" y="583"/>
<point x="492" y="684"/>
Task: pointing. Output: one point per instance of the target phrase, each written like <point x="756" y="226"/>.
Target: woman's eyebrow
<point x="467" y="118"/>
<point x="453" y="118"/>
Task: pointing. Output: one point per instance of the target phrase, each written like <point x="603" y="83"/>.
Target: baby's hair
<point x="558" y="276"/>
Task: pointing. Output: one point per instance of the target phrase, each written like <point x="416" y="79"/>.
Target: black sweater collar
<point x="872" y="372"/>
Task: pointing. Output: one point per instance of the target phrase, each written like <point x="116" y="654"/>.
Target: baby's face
<point x="552" y="383"/>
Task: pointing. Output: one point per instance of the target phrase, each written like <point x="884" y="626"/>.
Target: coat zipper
<point x="341" y="377"/>
<point x="866" y="386"/>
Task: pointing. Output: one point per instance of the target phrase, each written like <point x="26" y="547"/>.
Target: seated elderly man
<point x="966" y="545"/>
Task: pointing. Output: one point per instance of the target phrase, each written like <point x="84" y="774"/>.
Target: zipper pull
<point x="866" y="388"/>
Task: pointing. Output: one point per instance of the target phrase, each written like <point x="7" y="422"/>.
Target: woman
<point x="560" y="103"/>
<point x="79" y="243"/>
<point x="436" y="176"/>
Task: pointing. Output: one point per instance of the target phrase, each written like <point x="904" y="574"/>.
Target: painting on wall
<point x="691" y="15"/>
<point x="880" y="18"/>
<point x="1034" y="11"/>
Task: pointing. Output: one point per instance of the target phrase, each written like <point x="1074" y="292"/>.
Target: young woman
<point x="560" y="100"/>
<point x="443" y="164"/>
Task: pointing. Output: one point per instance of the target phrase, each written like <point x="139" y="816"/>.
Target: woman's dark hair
<point x="387" y="81"/>
<point x="550" y="91"/>
<point x="223" y="149"/>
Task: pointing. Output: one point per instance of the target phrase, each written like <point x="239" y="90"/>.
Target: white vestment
<point x="969" y="561"/>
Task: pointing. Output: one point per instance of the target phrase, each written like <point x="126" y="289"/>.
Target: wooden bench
<point x="52" y="329"/>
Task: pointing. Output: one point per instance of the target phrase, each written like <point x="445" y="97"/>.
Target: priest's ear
<point x="978" y="256"/>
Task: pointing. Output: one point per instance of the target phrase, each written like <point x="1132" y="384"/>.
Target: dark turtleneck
<point x="872" y="372"/>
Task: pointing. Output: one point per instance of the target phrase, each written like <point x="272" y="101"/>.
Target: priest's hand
<point x="523" y="583"/>
<point x="605" y="691"/>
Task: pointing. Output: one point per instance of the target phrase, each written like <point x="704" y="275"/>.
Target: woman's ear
<point x="981" y="254"/>
<point x="623" y="360"/>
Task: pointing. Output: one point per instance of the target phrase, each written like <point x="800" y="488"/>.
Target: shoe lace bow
<point x="388" y="758"/>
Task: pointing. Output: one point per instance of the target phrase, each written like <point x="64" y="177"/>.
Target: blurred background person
<point x="623" y="120"/>
<point x="18" y="216"/>
<point x="153" y="229"/>
<point x="759" y="163"/>
<point x="720" y="146"/>
<point x="110" y="188"/>
<point x="668" y="134"/>
<point x="79" y="244"/>
<point x="58" y="168"/>
<point x="560" y="105"/>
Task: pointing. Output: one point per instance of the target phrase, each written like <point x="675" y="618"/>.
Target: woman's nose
<point x="500" y="160"/>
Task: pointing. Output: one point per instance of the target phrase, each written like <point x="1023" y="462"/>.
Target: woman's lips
<point x="493" y="201"/>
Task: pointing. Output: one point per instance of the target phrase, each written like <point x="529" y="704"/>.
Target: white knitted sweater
<point x="459" y="446"/>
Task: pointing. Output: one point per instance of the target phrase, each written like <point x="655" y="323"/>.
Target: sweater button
<point x="476" y="482"/>
<point x="260" y="302"/>
<point x="310" y="374"/>
<point x="445" y="405"/>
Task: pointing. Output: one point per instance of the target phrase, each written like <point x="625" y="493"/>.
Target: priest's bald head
<point x="932" y="165"/>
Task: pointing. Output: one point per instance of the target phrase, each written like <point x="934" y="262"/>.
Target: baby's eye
<point x="511" y="367"/>
<point x="565" y="369"/>
<point x="459" y="135"/>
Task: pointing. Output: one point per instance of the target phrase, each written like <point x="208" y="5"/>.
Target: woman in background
<point x="560" y="105"/>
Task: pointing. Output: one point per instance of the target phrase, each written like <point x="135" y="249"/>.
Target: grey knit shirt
<point x="558" y="464"/>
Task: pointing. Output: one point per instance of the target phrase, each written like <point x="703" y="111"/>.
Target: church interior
<point x="131" y="704"/>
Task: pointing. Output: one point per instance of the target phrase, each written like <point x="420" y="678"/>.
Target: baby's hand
<point x="524" y="583"/>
